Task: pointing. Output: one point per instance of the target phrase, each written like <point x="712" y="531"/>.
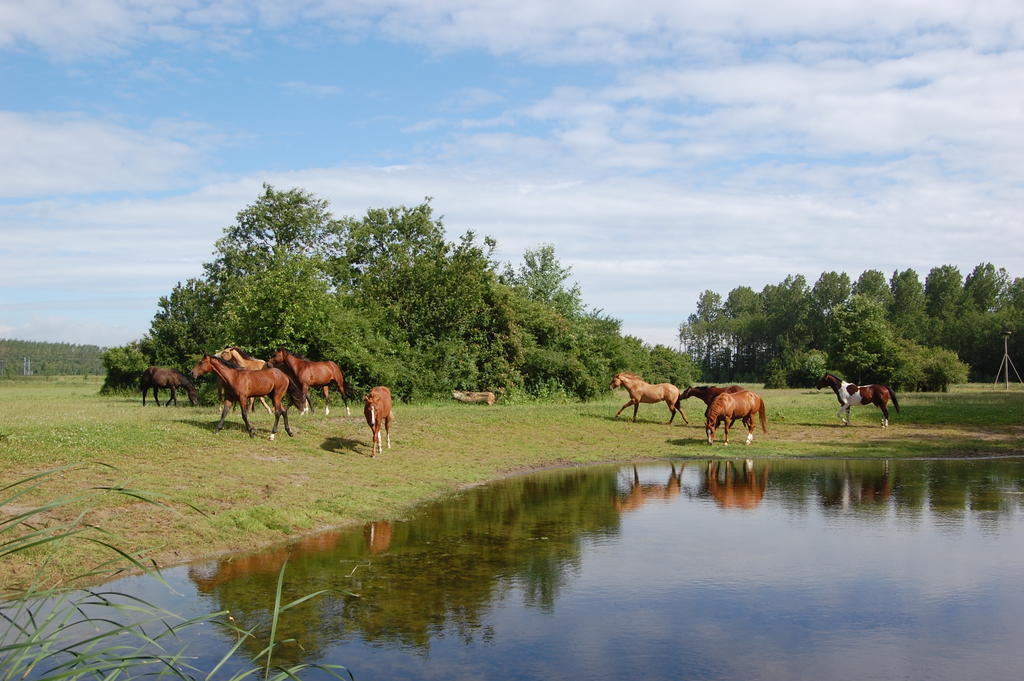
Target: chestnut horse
<point x="235" y="354"/>
<point x="728" y="407"/>
<point x="849" y="395"/>
<point x="641" y="391"/>
<point x="377" y="410"/>
<point x="307" y="373"/>
<point x="158" y="377"/>
<point x="242" y="384"/>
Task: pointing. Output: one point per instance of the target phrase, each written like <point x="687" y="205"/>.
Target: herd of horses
<point x="243" y="379"/>
<point x="727" y="404"/>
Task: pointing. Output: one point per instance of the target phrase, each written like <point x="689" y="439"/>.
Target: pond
<point x="744" y="569"/>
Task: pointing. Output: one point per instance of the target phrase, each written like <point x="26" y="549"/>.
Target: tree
<point x="872" y="283"/>
<point x="831" y="289"/>
<point x="907" y="309"/>
<point x="862" y="342"/>
<point x="543" y="278"/>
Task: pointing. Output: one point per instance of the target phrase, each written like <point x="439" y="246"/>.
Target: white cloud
<point x="74" y="154"/>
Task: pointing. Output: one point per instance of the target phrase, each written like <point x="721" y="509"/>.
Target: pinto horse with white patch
<point x="377" y="410"/>
<point x="850" y="395"/>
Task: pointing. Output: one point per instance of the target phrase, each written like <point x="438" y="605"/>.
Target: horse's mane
<point x="227" y="362"/>
<point x="240" y="351"/>
<point x="294" y="354"/>
<point x="629" y="374"/>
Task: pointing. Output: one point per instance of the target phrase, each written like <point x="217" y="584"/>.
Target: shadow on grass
<point x="211" y="426"/>
<point x="340" y="445"/>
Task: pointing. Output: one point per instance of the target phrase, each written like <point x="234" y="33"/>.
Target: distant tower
<point x="1007" y="363"/>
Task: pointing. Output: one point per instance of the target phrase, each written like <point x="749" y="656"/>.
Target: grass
<point x="228" y="492"/>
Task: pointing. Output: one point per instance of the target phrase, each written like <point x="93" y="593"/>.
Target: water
<point x="756" y="570"/>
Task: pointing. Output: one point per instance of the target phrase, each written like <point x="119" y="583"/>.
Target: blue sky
<point x="663" y="147"/>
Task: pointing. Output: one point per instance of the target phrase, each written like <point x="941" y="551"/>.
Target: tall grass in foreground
<point x="54" y="633"/>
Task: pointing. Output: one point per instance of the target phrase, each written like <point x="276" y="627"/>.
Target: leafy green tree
<point x="907" y="309"/>
<point x="862" y="343"/>
<point x="543" y="278"/>
<point x="872" y="283"/>
<point x="831" y="289"/>
<point x="124" y="366"/>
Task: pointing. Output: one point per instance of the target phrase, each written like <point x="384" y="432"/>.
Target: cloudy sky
<point x="663" y="147"/>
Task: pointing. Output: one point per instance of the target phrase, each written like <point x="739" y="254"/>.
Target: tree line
<point x="39" y="358"/>
<point x="895" y="330"/>
<point x="393" y="302"/>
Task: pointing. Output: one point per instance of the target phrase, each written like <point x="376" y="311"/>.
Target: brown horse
<point x="242" y="384"/>
<point x="307" y="374"/>
<point x="235" y="354"/>
<point x="728" y="407"/>
<point x="707" y="393"/>
<point x="849" y="395"/>
<point x="159" y="377"/>
<point x="641" y="391"/>
<point x="377" y="410"/>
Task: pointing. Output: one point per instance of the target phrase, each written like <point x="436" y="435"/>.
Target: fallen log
<point x="472" y="397"/>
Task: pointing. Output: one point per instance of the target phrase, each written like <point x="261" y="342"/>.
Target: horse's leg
<point x="636" y="405"/>
<point x="244" y="403"/>
<point x="387" y="428"/>
<point x="749" y="422"/>
<point x="173" y="398"/>
<point x="839" y="414"/>
<point x="145" y="389"/>
<point x="623" y="407"/>
<point x="228" y="404"/>
<point x="725" y="427"/>
<point x="885" y="413"/>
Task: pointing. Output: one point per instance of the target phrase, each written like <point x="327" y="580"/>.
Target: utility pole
<point x="1007" y="363"/>
<point x="26" y="366"/>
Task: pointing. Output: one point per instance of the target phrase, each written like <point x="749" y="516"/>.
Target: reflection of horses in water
<point x="207" y="577"/>
<point x="640" y="493"/>
<point x="859" y="485"/>
<point x="243" y="360"/>
<point x="728" y="407"/>
<point x="378" y="537"/>
<point x="159" y="377"/>
<point x="849" y="395"/>
<point x="641" y="391"/>
<point x="735" y="489"/>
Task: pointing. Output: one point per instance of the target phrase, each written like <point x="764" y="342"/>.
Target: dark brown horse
<point x="377" y="410"/>
<point x="309" y="374"/>
<point x="707" y="393"/>
<point x="242" y="384"/>
<point x="648" y="393"/>
<point x="849" y="395"/>
<point x="159" y="377"/>
<point x="728" y="407"/>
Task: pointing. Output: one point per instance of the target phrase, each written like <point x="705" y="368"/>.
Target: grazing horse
<point x="309" y="374"/>
<point x="243" y="359"/>
<point x="377" y="410"/>
<point x="158" y="377"/>
<point x="243" y="384"/>
<point x="728" y="407"/>
<point x="641" y="391"/>
<point x="849" y="395"/>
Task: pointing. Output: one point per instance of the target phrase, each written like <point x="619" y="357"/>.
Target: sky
<point x="663" y="147"/>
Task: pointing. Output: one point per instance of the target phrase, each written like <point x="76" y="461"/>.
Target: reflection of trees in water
<point x="439" y="574"/>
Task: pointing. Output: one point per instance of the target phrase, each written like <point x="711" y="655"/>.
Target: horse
<point x="159" y="377"/>
<point x="849" y="395"/>
<point x="728" y="407"/>
<point x="233" y="353"/>
<point x="307" y="374"/>
<point x="707" y="393"/>
<point x="243" y="384"/>
<point x="377" y="410"/>
<point x="641" y="391"/>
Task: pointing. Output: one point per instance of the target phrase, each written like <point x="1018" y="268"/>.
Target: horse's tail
<point x="895" y="402"/>
<point x="295" y="391"/>
<point x="764" y="419"/>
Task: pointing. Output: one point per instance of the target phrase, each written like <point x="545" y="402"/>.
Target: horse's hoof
<point x="272" y="437"/>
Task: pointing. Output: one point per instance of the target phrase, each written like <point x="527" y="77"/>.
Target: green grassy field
<point x="228" y="492"/>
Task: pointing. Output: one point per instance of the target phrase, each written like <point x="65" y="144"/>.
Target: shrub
<point x="124" y="366"/>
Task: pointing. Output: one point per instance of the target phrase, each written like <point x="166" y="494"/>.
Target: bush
<point x="124" y="366"/>
<point x="920" y="368"/>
